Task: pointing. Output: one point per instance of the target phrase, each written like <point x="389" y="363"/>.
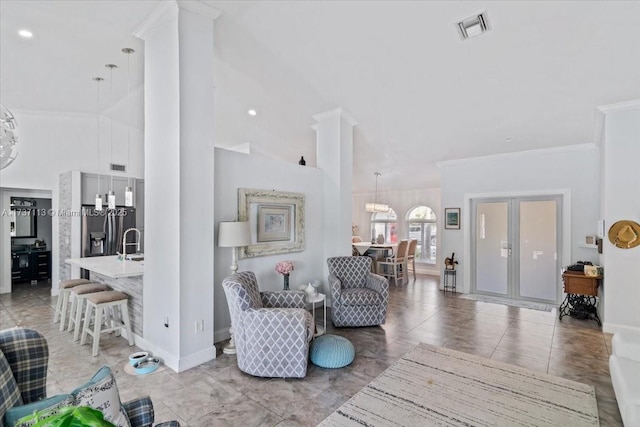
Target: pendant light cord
<point x="111" y="67"/>
<point x="98" y="80"/>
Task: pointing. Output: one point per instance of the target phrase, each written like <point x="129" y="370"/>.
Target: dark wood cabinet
<point x="29" y="266"/>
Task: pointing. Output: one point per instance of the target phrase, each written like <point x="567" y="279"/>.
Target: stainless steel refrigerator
<point x="102" y="231"/>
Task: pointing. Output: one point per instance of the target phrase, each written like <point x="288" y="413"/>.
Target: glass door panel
<point x="492" y="247"/>
<point x="537" y="250"/>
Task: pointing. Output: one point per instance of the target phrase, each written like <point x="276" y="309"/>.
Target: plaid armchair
<point x="359" y="297"/>
<point x="27" y="354"/>
<point x="271" y="330"/>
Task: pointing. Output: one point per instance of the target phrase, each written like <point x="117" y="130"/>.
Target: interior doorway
<point x="515" y="244"/>
<point x="26" y="238"/>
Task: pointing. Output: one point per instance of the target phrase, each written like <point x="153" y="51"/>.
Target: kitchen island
<point x="121" y="275"/>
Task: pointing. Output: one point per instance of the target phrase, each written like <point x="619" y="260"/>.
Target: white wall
<point x="573" y="171"/>
<point x="621" y="201"/>
<point x="236" y="170"/>
<point x="52" y="143"/>
<point x="401" y="202"/>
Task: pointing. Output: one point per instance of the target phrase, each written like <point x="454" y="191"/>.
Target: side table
<point x="449" y="281"/>
<point x="313" y="300"/>
<point x="581" y="299"/>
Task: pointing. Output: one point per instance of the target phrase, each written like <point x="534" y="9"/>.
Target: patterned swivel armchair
<point x="359" y="297"/>
<point x="271" y="330"/>
<point x="24" y="354"/>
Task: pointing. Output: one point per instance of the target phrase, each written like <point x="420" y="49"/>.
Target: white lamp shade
<point x="234" y="234"/>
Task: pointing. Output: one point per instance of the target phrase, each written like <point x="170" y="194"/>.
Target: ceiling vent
<point x="473" y="26"/>
<point x="118" y="168"/>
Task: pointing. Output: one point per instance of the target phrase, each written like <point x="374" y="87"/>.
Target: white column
<point x="335" y="157"/>
<point x="179" y="163"/>
<point x="621" y="186"/>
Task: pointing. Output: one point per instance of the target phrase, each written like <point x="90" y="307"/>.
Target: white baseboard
<point x="168" y="359"/>
<point x="221" y="335"/>
<point x="196" y="359"/>
<point x="612" y="328"/>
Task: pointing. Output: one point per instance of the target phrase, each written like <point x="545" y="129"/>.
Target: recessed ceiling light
<point x="473" y="26"/>
<point x="508" y="139"/>
<point x="252" y="112"/>
<point x="25" y="33"/>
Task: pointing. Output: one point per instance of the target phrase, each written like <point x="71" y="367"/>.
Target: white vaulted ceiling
<point x="419" y="94"/>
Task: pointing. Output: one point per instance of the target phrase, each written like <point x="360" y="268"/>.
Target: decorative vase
<point x="380" y="239"/>
<point x="302" y="162"/>
<point x="310" y="291"/>
<point x="286" y="282"/>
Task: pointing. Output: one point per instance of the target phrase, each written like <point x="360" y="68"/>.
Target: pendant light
<point x="375" y="206"/>
<point x="128" y="191"/>
<point x="98" y="203"/>
<point x="111" y="196"/>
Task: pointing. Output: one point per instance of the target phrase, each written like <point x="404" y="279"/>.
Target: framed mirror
<point x="23" y="223"/>
<point x="276" y="219"/>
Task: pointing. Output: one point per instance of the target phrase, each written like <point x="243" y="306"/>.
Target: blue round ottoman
<point x="331" y="351"/>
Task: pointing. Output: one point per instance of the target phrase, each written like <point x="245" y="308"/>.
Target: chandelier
<point x="8" y="137"/>
<point x="375" y="206"/>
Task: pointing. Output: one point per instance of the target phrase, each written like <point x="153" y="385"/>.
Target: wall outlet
<point x="199" y="326"/>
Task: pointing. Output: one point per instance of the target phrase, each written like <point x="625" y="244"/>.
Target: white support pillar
<point x="179" y="178"/>
<point x="335" y="157"/>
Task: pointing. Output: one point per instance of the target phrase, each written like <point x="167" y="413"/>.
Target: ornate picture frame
<point x="276" y="219"/>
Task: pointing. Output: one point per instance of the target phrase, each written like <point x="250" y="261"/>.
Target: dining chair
<point x="395" y="266"/>
<point x="411" y="256"/>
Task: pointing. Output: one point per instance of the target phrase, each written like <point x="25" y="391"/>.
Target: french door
<point x="515" y="245"/>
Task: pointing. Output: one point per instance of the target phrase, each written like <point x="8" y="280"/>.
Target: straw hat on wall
<point x="625" y="234"/>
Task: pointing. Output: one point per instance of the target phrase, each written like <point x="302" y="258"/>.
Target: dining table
<point x="382" y="248"/>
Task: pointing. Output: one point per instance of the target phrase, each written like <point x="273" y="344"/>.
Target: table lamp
<point x="233" y="234"/>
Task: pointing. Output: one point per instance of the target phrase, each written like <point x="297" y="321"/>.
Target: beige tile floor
<point x="218" y="394"/>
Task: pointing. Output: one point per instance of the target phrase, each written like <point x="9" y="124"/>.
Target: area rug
<point x="438" y="386"/>
<point x="507" y="301"/>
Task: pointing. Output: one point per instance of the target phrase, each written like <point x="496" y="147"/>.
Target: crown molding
<point x="338" y="112"/>
<point x="620" y="106"/>
<point x="201" y="7"/>
<point x="156" y="19"/>
<point x="52" y="113"/>
<point x="169" y="9"/>
<point x="516" y="154"/>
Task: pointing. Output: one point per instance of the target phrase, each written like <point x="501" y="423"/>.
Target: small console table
<point x="580" y="301"/>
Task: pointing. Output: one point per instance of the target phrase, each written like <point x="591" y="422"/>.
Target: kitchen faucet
<point x="125" y="244"/>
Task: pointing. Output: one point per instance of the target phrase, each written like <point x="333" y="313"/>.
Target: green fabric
<point x="81" y="416"/>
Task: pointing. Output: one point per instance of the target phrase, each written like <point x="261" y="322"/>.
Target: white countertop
<point x="109" y="266"/>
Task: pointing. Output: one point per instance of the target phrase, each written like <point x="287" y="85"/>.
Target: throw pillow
<point x="27" y="415"/>
<point x="9" y="393"/>
<point x="101" y="393"/>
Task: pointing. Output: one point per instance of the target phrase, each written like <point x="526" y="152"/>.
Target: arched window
<point x="421" y="225"/>
<point x="385" y="223"/>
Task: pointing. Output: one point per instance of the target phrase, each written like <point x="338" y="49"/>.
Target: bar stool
<point x="101" y="301"/>
<point x="77" y="295"/>
<point x="63" y="299"/>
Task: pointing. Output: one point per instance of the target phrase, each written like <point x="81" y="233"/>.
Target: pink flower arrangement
<point x="284" y="267"/>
